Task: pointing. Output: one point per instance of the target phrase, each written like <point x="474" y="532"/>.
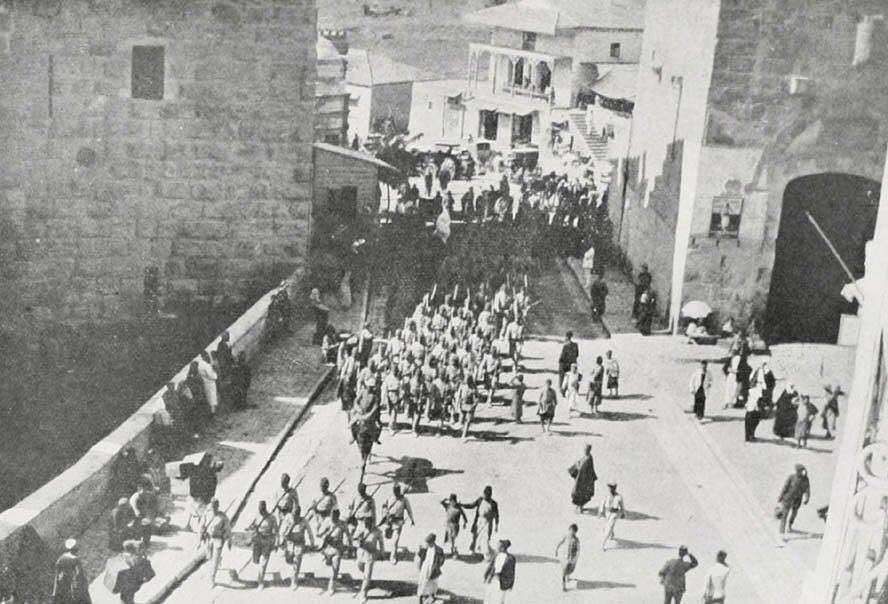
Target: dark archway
<point x="804" y="304"/>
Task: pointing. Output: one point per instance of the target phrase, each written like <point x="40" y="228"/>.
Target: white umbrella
<point x="695" y="309"/>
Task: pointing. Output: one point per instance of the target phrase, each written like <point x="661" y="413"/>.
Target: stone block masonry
<point x="165" y="133"/>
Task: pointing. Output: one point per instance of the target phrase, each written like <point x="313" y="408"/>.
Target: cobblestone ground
<point x="683" y="482"/>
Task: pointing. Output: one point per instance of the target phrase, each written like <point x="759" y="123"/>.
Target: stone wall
<point x="759" y="136"/>
<point x="761" y="43"/>
<point x="211" y="183"/>
<point x="33" y="531"/>
<point x="649" y="220"/>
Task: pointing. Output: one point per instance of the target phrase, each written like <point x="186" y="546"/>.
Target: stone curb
<point x="192" y="565"/>
<point x="761" y="514"/>
<point x="579" y="278"/>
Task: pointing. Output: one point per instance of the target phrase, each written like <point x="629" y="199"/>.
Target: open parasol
<point x="695" y="309"/>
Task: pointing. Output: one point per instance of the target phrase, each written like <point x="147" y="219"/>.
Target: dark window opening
<point x="489" y="125"/>
<point x="615" y="50"/>
<point x="528" y="40"/>
<point x="343" y="203"/>
<point x="148" y="73"/>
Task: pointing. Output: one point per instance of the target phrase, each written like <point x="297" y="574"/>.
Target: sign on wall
<point x="727" y="209"/>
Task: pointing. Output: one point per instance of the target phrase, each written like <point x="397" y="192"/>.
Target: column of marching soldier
<point x="445" y="361"/>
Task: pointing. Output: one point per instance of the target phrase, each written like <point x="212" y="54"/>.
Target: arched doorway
<point x="804" y="304"/>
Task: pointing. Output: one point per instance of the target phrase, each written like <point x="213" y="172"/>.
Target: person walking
<point x="571" y="388"/>
<point x="370" y="546"/>
<point x="795" y="492"/>
<point x="806" y="414"/>
<point x="830" y="413"/>
<point x="334" y="539"/>
<point x="700" y="383"/>
<point x="518" y="390"/>
<point x="751" y="418"/>
<point x="546" y="406"/>
<point x="393" y="514"/>
<point x="584" y="476"/>
<point x="454" y="513"/>
<point x="215" y="532"/>
<point x="672" y="575"/>
<point x="486" y="521"/>
<point x="611" y="508"/>
<point x="500" y="574"/>
<point x="295" y="536"/>
<point x="598" y="295"/>
<point x="596" y="385"/>
<point x="569" y="555"/>
<point x="263" y="540"/>
<point x="570" y="352"/>
<point x="714" y="591"/>
<point x="430" y="560"/>
<point x="612" y="373"/>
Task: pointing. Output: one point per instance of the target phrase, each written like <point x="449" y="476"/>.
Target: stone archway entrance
<point x="804" y="304"/>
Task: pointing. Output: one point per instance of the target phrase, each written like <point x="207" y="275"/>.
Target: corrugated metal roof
<point x="550" y="16"/>
<point x="371" y="68"/>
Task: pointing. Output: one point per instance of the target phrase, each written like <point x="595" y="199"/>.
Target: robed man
<point x="583" y="473"/>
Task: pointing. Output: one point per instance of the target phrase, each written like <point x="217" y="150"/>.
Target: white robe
<point x="208" y="376"/>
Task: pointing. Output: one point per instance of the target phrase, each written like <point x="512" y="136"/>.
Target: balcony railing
<point x="526" y="92"/>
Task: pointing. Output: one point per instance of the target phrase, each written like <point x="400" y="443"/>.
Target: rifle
<point x="385" y="518"/>
<point x="351" y="515"/>
<point x="235" y="573"/>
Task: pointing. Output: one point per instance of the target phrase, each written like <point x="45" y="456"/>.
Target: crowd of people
<point x="750" y="384"/>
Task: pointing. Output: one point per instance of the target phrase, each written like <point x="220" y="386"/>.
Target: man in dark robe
<point x="241" y="377"/>
<point x="583" y="473"/>
<point x="785" y="413"/>
<point x="71" y="585"/>
<point x="598" y="294"/>
<point x="641" y="285"/>
<point x="569" y="354"/>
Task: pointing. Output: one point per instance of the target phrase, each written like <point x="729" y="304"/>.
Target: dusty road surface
<point x="681" y="486"/>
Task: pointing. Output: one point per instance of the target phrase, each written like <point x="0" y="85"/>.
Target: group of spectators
<point x="214" y="379"/>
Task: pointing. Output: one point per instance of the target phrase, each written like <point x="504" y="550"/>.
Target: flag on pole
<point x="442" y="225"/>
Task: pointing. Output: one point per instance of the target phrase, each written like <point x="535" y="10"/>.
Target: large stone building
<point x="169" y="134"/>
<point x="752" y="119"/>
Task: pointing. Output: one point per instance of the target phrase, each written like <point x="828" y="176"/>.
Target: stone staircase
<point x="589" y="141"/>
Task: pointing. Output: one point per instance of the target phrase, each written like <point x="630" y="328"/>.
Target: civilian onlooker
<point x="714" y="591"/>
<point x="202" y="485"/>
<point x="672" y="575"/>
<point x="795" y="492"/>
<point x="71" y="585"/>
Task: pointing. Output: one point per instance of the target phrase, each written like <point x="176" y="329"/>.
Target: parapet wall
<point x="71" y="501"/>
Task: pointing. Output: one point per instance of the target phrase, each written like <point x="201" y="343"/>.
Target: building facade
<point x="541" y="59"/>
<point x="380" y="92"/>
<point x="173" y="136"/>
<point x="752" y="123"/>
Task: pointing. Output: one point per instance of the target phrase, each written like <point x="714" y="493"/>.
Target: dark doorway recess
<point x="804" y="304"/>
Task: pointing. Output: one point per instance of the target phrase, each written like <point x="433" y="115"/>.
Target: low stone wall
<point x="71" y="501"/>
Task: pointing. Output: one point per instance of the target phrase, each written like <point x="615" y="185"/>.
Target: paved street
<point x="683" y="484"/>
